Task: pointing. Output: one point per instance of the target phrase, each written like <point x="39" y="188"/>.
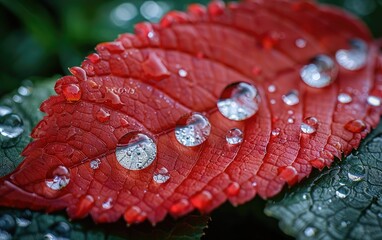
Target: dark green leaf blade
<point x="343" y="202"/>
<point x="25" y="103"/>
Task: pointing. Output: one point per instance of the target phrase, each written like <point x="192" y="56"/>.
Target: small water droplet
<point x="309" y="125"/>
<point x="291" y="98"/>
<point x="304" y="196"/>
<point x="201" y="200"/>
<point x="344" y="98"/>
<point x="57" y="178"/>
<point x="271" y="88"/>
<point x="24" y="91"/>
<point x="136" y="151"/>
<point x="161" y="175"/>
<point x="374" y="101"/>
<point x="7" y="222"/>
<point x="290" y="120"/>
<point x="355" y="126"/>
<point x="380" y="214"/>
<point x="134" y="215"/>
<point x="17" y="99"/>
<point x="192" y="130"/>
<point x="108" y="203"/>
<point x="275" y="132"/>
<point x="273" y="101"/>
<point x="180" y="207"/>
<point x="234" y="136"/>
<point x="320" y="72"/>
<point x="233" y="189"/>
<point x="5" y="111"/>
<point x="343" y="192"/>
<point x="25" y="219"/>
<point x="239" y="101"/>
<point x="94" y="58"/>
<point x="102" y="115"/>
<point x="254" y="184"/>
<point x="72" y="92"/>
<point x="356" y="173"/>
<point x="290" y="112"/>
<point x="11" y="129"/>
<point x="288" y="174"/>
<point x="94" y="164"/>
<point x="182" y="73"/>
<point x="344" y="224"/>
<point x="300" y="43"/>
<point x="310" y="231"/>
<point x="354" y="58"/>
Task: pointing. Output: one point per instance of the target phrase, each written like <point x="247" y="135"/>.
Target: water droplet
<point x="344" y="224"/>
<point x="83" y="207"/>
<point x="239" y="101"/>
<point x="59" y="231"/>
<point x="7" y="222"/>
<point x="11" y="128"/>
<point x="72" y="92"/>
<point x="182" y="73"/>
<point x="108" y="203"/>
<point x="234" y="136"/>
<point x="254" y="184"/>
<point x="290" y="120"/>
<point x="355" y="126"/>
<point x="233" y="189"/>
<point x="24" y="91"/>
<point x="57" y="178"/>
<point x="291" y="98"/>
<point x="192" y="130"/>
<point x="380" y="214"/>
<point x="5" y="111"/>
<point x="136" y="151"/>
<point x="309" y="125"/>
<point x="180" y="207"/>
<point x="273" y="101"/>
<point x="354" y="58"/>
<point x="201" y="200"/>
<point x="25" y="219"/>
<point x="161" y="175"/>
<point x="134" y="215"/>
<point x="288" y="174"/>
<point x="155" y="68"/>
<point x="290" y="112"/>
<point x="374" y="101"/>
<point x="344" y="98"/>
<point x="94" y="58"/>
<point x="79" y="73"/>
<point x="271" y="88"/>
<point x="102" y="115"/>
<point x="320" y="72"/>
<point x="4" y="235"/>
<point x="310" y="231"/>
<point x="123" y="13"/>
<point x="318" y="163"/>
<point x="275" y="132"/>
<point x="343" y="192"/>
<point x="17" y="99"/>
<point x="94" y="164"/>
<point x="300" y="43"/>
<point x="153" y="10"/>
<point x="304" y="196"/>
<point x="356" y="173"/>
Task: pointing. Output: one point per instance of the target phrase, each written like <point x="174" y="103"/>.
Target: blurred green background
<point x="43" y="38"/>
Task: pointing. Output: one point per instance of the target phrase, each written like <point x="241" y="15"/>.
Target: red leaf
<point x="145" y="83"/>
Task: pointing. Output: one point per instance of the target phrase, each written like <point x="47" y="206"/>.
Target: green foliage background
<point x="43" y="38"/>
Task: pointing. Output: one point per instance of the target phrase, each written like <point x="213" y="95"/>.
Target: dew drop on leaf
<point x="288" y="174"/>
<point x="320" y="72"/>
<point x="134" y="215"/>
<point x="233" y="189"/>
<point x="290" y="120"/>
<point x="355" y="126"/>
<point x="271" y="88"/>
<point x="136" y="151"/>
<point x="309" y="125"/>
<point x="318" y="163"/>
<point x="344" y="98"/>
<point x="374" y="101"/>
<point x="234" y="136"/>
<point x="108" y="203"/>
<point x="354" y="58"/>
<point x="356" y="173"/>
<point x="291" y="98"/>
<point x="310" y="232"/>
<point x="25" y="219"/>
<point x="192" y="129"/>
<point x="4" y="110"/>
<point x="94" y="164"/>
<point x="182" y="73"/>
<point x="300" y="43"/>
<point x="201" y="200"/>
<point x="11" y="129"/>
<point x="275" y="132"/>
<point x="59" y="231"/>
<point x="24" y="91"/>
<point x="72" y="92"/>
<point x="57" y="178"/>
<point x="239" y="101"/>
<point x="180" y="207"/>
<point x="161" y="175"/>
<point x="343" y="192"/>
<point x="7" y="223"/>
<point x="102" y="115"/>
<point x="4" y="235"/>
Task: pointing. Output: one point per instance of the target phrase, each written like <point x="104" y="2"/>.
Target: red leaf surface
<point x="146" y="82"/>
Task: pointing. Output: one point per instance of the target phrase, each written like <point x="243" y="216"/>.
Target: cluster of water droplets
<point x="9" y="223"/>
<point x="58" y="231"/>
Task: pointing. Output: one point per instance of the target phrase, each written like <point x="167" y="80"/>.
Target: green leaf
<point x="24" y="224"/>
<point x="25" y="103"/>
<point x="343" y="202"/>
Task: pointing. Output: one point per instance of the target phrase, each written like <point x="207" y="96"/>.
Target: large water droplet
<point x="355" y="57"/>
<point x="310" y="231"/>
<point x="320" y="72"/>
<point x="72" y="92"/>
<point x="5" y="111"/>
<point x="234" y="136"/>
<point x="57" y="178"/>
<point x="161" y="175"/>
<point x="239" y="101"/>
<point x="344" y="98"/>
<point x="291" y="98"/>
<point x="136" y="151"/>
<point x="192" y="130"/>
<point x="94" y="164"/>
<point x="11" y="128"/>
<point x="356" y="173"/>
<point x="309" y="125"/>
<point x="343" y="192"/>
<point x="374" y="101"/>
<point x="355" y="126"/>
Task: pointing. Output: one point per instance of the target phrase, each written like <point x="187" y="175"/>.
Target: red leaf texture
<point x="140" y="94"/>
